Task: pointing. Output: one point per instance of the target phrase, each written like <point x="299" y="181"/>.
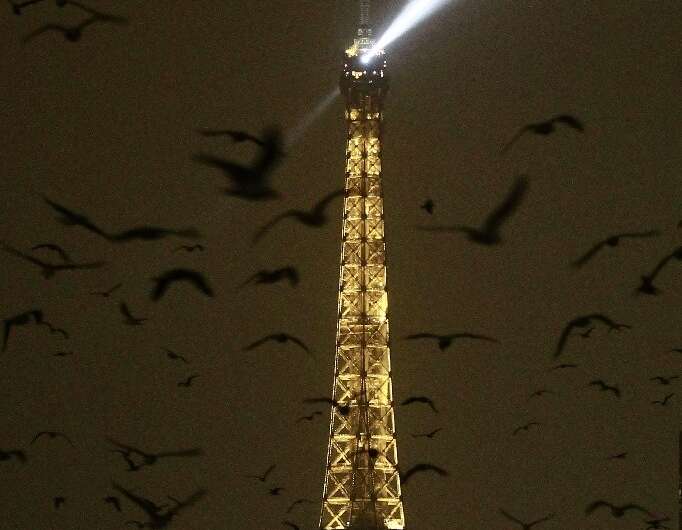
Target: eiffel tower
<point x="362" y="482"/>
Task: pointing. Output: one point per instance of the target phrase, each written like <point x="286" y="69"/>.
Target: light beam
<point x="411" y="15"/>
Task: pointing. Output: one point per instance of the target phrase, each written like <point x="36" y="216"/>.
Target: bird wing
<point x="569" y="120"/>
<point x="51" y="246"/>
<point x="163" y="282"/>
<point x="423" y="336"/>
<point x="261" y="231"/>
<point x="422" y="467"/>
<point x="322" y="204"/>
<point x="270" y="155"/>
<point x="299" y="342"/>
<point x="518" y="135"/>
<point x="292" y="525"/>
<point x="663" y="262"/>
<point x="648" y="233"/>
<point x="258" y="343"/>
<point x="511" y="517"/>
<point x="123" y="307"/>
<point x="504" y="210"/>
<point x="238" y="173"/>
<point x="72" y="217"/>
<point x="237" y="136"/>
<point x="563" y="338"/>
<point x="597" y="504"/>
<point x="471" y="336"/>
<point x="43" y="29"/>
<point x="632" y="506"/>
<point x="18" y="253"/>
<point x="588" y="255"/>
<point x="545" y="518"/>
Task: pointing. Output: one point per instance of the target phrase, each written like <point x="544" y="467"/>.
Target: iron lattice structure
<point x="362" y="482"/>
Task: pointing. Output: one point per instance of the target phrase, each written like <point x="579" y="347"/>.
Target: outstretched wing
<point x="237" y="136"/>
<point x="597" y="504"/>
<point x="677" y="253"/>
<point x="571" y="121"/>
<point x="267" y="226"/>
<point x="518" y="135"/>
<point x="504" y="210"/>
<point x="422" y="467"/>
<point x="258" y="343"/>
<point x="564" y="337"/>
<point x="511" y="517"/>
<point x="72" y="218"/>
<point x="588" y="255"/>
<point x="423" y="336"/>
<point x="321" y="205"/>
<point x="299" y="342"/>
<point x="238" y="173"/>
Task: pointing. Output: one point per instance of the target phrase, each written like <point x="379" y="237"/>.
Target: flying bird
<point x="175" y="356"/>
<point x="53" y="329"/>
<point x="12" y="453"/>
<point x="188" y="382"/>
<point x="58" y="501"/>
<point x="20" y="320"/>
<point x="129" y="318"/>
<point x="489" y="232"/>
<point x="315" y="217"/>
<point x="539" y="393"/>
<point x="611" y="241"/>
<point x="525" y="427"/>
<point x="616" y="511"/>
<point x="107" y="293"/>
<point x="619" y="456"/>
<point x="278" y="337"/>
<point x="429" y="435"/>
<point x="444" y="341"/>
<point x="647" y="286"/>
<point x="420" y="468"/>
<point x="164" y="281"/>
<point x="251" y="182"/>
<point x="664" y="401"/>
<point x="190" y="248"/>
<point x="48" y="270"/>
<point x="420" y="399"/>
<point x="75" y="33"/>
<point x="52" y="435"/>
<point x="148" y="459"/>
<point x="309" y="418"/>
<point x="297" y="502"/>
<point x="583" y="322"/>
<point x="114" y="502"/>
<point x="544" y="128"/>
<point x="427" y="206"/>
<point x="144" y="233"/>
<point x="603" y="387"/>
<point x="664" y="380"/>
<point x="276" y="490"/>
<point x="284" y="273"/>
<point x="344" y="410"/>
<point x="264" y="476"/>
<point x="62" y="354"/>
<point x="562" y="366"/>
<point x="526" y="526"/>
<point x="56" y="248"/>
<point x="237" y="136"/>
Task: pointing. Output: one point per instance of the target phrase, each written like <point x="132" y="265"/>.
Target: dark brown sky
<point x="107" y="126"/>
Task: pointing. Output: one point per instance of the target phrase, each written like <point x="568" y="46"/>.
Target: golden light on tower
<point x="362" y="483"/>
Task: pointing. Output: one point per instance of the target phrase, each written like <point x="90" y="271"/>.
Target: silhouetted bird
<point x="284" y="273"/>
<point x="309" y="418"/>
<point x="190" y="248"/>
<point x="18" y="6"/>
<point x="48" y="270"/>
<point x="52" y="435"/>
<point x="53" y="329"/>
<point x="526" y="526"/>
<point x="114" y="502"/>
<point x="314" y="217"/>
<point x="297" y="502"/>
<point x="188" y="382"/>
<point x="20" y="320"/>
<point x="130" y="319"/>
<point x="164" y="281"/>
<point x="664" y="380"/>
<point x="428" y="205"/>
<point x="291" y="525"/>
<point x="278" y="337"/>
<point x="264" y="476"/>
<point x="251" y="182"/>
<point x="619" y="456"/>
<point x="58" y="501"/>
<point x="444" y="341"/>
<point x="275" y="491"/>
<point x="149" y="459"/>
<point x="158" y="520"/>
<point x="603" y="387"/>
<point x="616" y="511"/>
<point x="344" y="410"/>
<point x="56" y="248"/>
<point x="74" y="33"/>
<point x="420" y="399"/>
<point x="489" y="232"/>
<point x="237" y="136"/>
<point x="562" y="366"/>
<point x="144" y="233"/>
<point x="647" y="286"/>
<point x="546" y="127"/>
<point x="525" y="427"/>
<point x="664" y="401"/>
<point x="12" y="453"/>
<point x="539" y="393"/>
<point x="611" y="241"/>
<point x="428" y="434"/>
<point x="107" y="294"/>
<point x="62" y="354"/>
<point x="583" y="322"/>
<point x="175" y="356"/>
<point x="420" y="468"/>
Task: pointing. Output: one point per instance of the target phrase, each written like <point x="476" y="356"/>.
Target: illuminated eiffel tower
<point x="362" y="483"/>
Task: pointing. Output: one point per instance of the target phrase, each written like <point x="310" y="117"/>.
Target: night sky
<point x="107" y="126"/>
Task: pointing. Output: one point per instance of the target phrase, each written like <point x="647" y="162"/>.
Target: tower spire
<point x="364" y="13"/>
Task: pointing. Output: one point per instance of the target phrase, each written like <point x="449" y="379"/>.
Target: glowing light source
<point x="410" y="16"/>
